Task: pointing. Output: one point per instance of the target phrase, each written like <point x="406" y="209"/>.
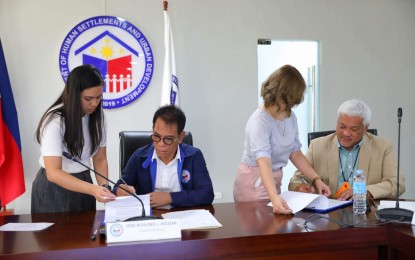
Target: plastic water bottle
<point x="359" y="193"/>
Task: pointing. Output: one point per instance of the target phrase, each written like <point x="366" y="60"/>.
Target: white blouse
<point x="53" y="145"/>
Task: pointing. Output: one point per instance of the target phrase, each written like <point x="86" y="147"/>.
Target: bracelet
<point x="315" y="179"/>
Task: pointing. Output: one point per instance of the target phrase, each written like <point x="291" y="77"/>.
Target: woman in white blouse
<point x="75" y="124"/>
<point x="271" y="139"/>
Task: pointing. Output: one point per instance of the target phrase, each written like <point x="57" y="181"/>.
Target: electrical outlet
<point x="218" y="195"/>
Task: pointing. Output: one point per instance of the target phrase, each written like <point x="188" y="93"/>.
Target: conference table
<point x="250" y="230"/>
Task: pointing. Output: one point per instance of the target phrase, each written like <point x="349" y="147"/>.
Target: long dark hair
<point x="68" y="106"/>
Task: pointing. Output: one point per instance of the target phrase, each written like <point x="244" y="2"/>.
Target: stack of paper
<point x="125" y="207"/>
<point x="318" y="203"/>
<point x="194" y="219"/>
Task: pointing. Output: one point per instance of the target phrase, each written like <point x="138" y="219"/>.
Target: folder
<point x="298" y="201"/>
<point x="332" y="205"/>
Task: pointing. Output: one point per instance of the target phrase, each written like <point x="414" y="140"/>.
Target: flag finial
<point x="165" y="5"/>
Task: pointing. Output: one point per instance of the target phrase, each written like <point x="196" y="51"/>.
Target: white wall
<point x="367" y="52"/>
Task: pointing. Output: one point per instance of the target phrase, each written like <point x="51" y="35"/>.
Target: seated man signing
<point x="173" y="173"/>
<point x="336" y="157"/>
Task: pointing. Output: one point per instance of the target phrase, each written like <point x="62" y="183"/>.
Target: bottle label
<point x="359" y="187"/>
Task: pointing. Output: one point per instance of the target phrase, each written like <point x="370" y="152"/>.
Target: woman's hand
<point x="322" y="187"/>
<point x="280" y="206"/>
<point x="102" y="194"/>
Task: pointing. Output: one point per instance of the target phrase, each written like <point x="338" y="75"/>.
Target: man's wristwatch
<point x="107" y="186"/>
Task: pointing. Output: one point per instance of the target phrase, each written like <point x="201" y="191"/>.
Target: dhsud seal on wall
<point x="118" y="49"/>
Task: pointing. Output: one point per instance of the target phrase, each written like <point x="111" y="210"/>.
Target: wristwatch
<point x="107" y="186"/>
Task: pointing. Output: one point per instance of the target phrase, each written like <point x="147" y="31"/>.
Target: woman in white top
<point x="271" y="139"/>
<point x="75" y="124"/>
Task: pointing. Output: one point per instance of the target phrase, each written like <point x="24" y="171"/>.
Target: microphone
<point x="399" y="118"/>
<point x="143" y="212"/>
<point x="396" y="214"/>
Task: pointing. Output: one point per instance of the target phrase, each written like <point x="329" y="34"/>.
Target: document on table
<point x="194" y="219"/>
<point x="315" y="202"/>
<point x="125" y="207"/>
<point x="25" y="226"/>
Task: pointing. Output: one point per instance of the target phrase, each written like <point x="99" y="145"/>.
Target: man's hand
<point x="346" y="195"/>
<point x="102" y="194"/>
<point x="121" y="192"/>
<point x="158" y="199"/>
<point x="305" y="187"/>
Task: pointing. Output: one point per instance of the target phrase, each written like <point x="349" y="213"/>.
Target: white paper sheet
<point x="126" y="207"/>
<point x="194" y="219"/>
<point x="300" y="200"/>
<point x="25" y="226"/>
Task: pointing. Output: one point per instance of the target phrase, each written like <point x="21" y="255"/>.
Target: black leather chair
<point x="132" y="140"/>
<point x="313" y="135"/>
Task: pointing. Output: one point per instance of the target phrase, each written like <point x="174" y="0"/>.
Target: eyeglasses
<point x="167" y="139"/>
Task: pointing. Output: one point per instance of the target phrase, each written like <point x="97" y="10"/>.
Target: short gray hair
<point x="354" y="107"/>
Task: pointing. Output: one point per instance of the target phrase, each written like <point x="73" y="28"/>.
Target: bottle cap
<point x="359" y="172"/>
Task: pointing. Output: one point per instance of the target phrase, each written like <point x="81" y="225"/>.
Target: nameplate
<point x="143" y="230"/>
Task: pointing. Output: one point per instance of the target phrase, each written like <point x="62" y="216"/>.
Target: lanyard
<point x="354" y="165"/>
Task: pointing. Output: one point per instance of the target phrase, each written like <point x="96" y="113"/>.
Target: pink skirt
<point x="247" y="186"/>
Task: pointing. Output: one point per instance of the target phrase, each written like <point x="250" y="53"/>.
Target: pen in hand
<point x="307" y="188"/>
<point x="123" y="181"/>
<point x="128" y="187"/>
<point x="304" y="180"/>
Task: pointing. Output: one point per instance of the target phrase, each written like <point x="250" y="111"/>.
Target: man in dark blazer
<point x="173" y="173"/>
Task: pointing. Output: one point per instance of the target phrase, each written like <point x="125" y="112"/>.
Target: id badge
<point x="345" y="186"/>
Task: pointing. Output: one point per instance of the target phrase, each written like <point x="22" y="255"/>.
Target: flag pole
<point x="170" y="84"/>
<point x="165" y="5"/>
<point x="4" y="211"/>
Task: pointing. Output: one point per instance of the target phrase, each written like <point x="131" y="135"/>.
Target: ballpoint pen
<point x="94" y="234"/>
<point x="304" y="180"/>
<point x="123" y="181"/>
<point x="126" y="184"/>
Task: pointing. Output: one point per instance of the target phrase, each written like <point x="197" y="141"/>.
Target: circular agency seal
<point x="118" y="49"/>
<point x="116" y="230"/>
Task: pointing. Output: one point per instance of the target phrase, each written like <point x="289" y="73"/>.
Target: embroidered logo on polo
<point x="185" y="176"/>
<point x="118" y="49"/>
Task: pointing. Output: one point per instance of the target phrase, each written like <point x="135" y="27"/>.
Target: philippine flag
<point x="12" y="182"/>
